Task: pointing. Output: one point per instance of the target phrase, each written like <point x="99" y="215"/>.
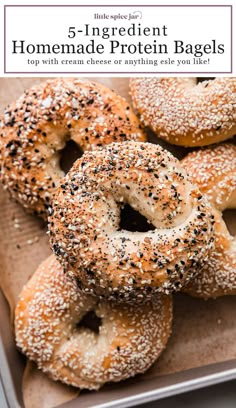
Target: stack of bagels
<point x="99" y="309"/>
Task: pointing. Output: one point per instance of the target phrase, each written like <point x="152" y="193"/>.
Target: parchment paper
<point x="204" y="332"/>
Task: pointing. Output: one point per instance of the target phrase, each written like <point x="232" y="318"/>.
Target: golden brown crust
<point x="119" y="264"/>
<point x="49" y="309"/>
<point x="37" y="126"/>
<point x="218" y="275"/>
<point x="213" y="170"/>
<point x="186" y="113"/>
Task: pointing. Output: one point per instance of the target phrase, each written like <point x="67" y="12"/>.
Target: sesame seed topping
<point x="186" y="113"/>
<point x="50" y="329"/>
<point x="213" y="170"/>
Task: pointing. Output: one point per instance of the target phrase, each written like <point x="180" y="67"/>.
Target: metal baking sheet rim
<point x="200" y="381"/>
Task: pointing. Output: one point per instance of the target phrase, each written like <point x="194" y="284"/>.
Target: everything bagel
<point x="38" y="125"/>
<point x="118" y="264"/>
<point x="50" y="331"/>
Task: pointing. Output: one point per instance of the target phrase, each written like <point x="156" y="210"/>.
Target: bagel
<point x="185" y="113"/>
<point x="84" y="222"/>
<point x="213" y="170"/>
<point x="49" y="330"/>
<point x="36" y="127"/>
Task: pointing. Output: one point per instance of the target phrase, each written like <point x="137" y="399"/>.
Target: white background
<point x="50" y="25"/>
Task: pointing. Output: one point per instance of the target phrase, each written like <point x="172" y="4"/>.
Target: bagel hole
<point x="69" y="154"/>
<point x="90" y="321"/>
<point x="229" y="217"/>
<point x="205" y="79"/>
<point x="132" y="220"/>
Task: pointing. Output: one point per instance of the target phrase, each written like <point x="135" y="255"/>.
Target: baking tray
<point x="201" y="350"/>
<point x="126" y="394"/>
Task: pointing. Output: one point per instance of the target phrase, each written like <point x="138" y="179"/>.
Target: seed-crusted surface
<point x="214" y="171"/>
<point x="119" y="264"/>
<point x="49" y="309"/>
<point x="186" y="113"/>
<point x="37" y="126"/>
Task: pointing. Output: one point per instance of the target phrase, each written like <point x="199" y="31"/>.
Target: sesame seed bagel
<point x="214" y="171"/>
<point x="36" y="127"/>
<point x="50" y="331"/>
<point x="185" y="113"/>
<point x="117" y="264"/>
